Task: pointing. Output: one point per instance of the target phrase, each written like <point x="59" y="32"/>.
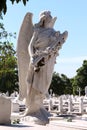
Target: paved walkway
<point x="54" y="125"/>
<point x="25" y="126"/>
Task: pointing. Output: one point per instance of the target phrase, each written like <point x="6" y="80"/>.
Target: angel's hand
<point x="47" y="51"/>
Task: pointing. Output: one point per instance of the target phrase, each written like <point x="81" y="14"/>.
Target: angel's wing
<point x="24" y="38"/>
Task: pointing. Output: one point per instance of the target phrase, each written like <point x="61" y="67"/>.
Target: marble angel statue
<point x="37" y="48"/>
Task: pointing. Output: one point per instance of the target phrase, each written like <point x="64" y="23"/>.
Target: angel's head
<point x="46" y="20"/>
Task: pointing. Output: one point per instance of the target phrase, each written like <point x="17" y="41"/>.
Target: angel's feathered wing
<point x="24" y="38"/>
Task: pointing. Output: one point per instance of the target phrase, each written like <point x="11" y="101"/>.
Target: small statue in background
<point x="37" y="49"/>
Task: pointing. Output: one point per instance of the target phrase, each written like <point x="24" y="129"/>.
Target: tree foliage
<point x="80" y="80"/>
<point x="67" y="84"/>
<point x="60" y="84"/>
<point x="8" y="63"/>
<point x="3" y="4"/>
<point x="56" y="84"/>
<point x="8" y="68"/>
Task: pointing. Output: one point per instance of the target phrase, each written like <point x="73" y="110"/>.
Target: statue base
<point x="40" y="117"/>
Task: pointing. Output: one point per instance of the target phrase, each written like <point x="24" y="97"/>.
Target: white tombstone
<point x="50" y="105"/>
<point x="70" y="105"/>
<point x="86" y="91"/>
<point x="5" y="110"/>
<point x="81" y="110"/>
<point x="60" y="105"/>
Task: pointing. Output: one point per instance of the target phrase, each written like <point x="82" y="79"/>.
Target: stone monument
<point x="5" y="110"/>
<point x="37" y="48"/>
<point x="86" y="91"/>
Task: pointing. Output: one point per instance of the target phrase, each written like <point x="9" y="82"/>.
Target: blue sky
<point x="71" y="16"/>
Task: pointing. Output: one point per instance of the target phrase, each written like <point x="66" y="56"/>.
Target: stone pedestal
<point x="5" y="110"/>
<point x="40" y="117"/>
<point x="15" y="107"/>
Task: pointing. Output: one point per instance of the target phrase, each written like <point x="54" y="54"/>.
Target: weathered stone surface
<point x="14" y="107"/>
<point x="37" y="52"/>
<point x="5" y="110"/>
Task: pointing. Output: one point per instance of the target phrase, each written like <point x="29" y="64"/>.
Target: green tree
<point x="67" y="84"/>
<point x="60" y="84"/>
<point x="4" y="35"/>
<point x="80" y="80"/>
<point x="57" y="84"/>
<point x="8" y="63"/>
<point x="8" y="68"/>
<point x="3" y="4"/>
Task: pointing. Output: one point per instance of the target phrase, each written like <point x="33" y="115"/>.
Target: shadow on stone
<point x="16" y="125"/>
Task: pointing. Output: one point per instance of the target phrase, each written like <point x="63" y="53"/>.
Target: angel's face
<point x="46" y="20"/>
<point x="49" y="21"/>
